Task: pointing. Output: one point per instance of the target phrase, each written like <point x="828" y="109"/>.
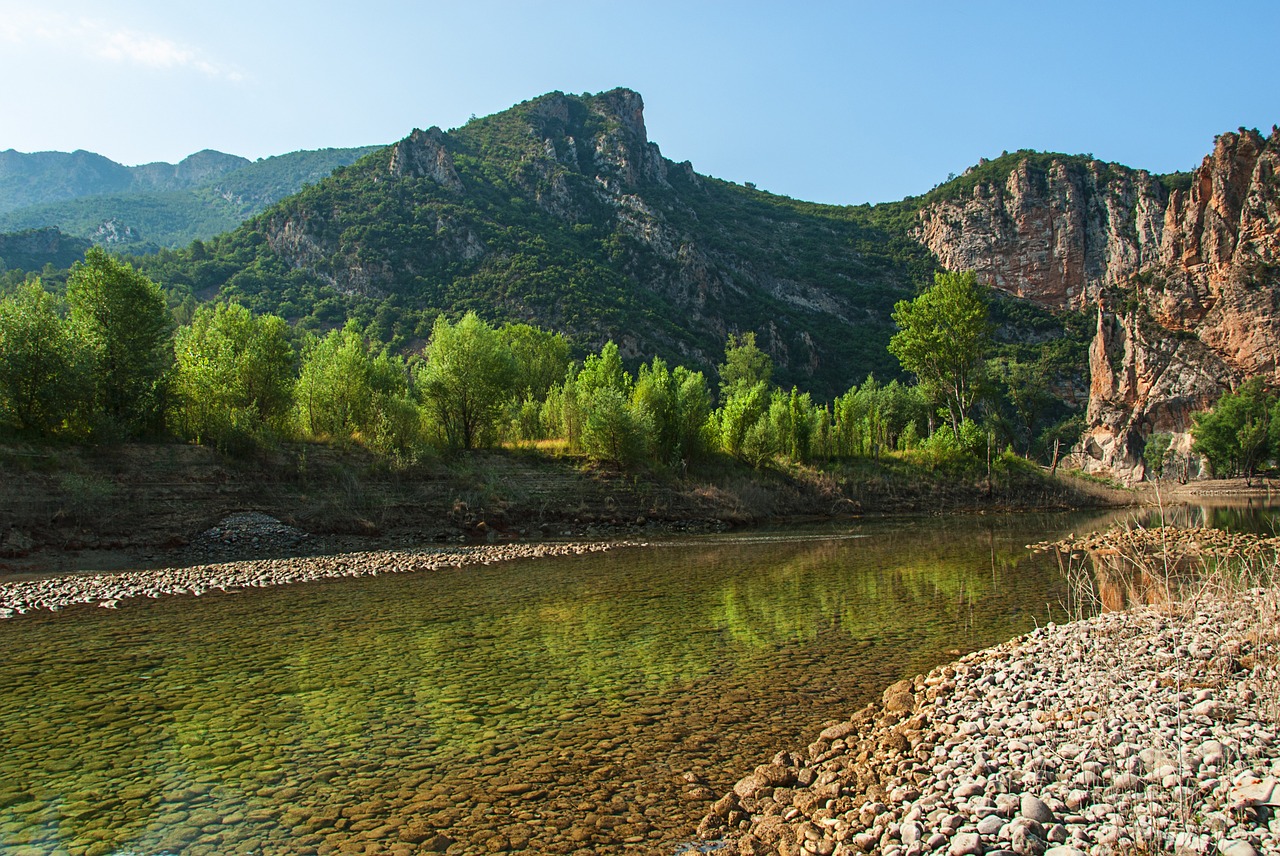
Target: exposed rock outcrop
<point x="1057" y="236"/>
<point x="1186" y="282"/>
<point x="423" y="154"/>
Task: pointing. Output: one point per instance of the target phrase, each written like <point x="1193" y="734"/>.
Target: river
<point x="589" y="704"/>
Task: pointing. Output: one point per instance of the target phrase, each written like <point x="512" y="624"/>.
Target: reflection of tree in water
<point x="883" y="588"/>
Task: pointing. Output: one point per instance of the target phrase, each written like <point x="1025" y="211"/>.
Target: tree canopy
<point x="121" y="316"/>
<point x="469" y="377"/>
<point x="943" y="338"/>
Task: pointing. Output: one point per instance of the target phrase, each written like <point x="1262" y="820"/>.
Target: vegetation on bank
<point x="1239" y="436"/>
<point x="106" y="362"/>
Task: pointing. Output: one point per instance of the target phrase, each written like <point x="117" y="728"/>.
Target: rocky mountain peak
<point x="423" y="155"/>
<point x="626" y="106"/>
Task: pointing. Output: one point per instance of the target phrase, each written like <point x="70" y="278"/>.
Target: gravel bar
<point x="1149" y="731"/>
<point x="108" y="590"/>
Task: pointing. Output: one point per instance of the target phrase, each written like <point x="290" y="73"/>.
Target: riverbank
<point x="1131" y="732"/>
<point x="80" y="508"/>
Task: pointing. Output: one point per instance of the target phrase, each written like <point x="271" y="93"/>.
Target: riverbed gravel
<point x="1150" y="731"/>
<point x="112" y="589"/>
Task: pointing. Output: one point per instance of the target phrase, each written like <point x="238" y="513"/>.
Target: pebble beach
<point x="110" y="590"/>
<point x="1146" y="731"/>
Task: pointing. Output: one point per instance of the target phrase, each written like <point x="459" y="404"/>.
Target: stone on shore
<point x="1117" y="734"/>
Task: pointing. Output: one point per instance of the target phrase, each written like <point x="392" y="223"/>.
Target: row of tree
<point x="107" y="362"/>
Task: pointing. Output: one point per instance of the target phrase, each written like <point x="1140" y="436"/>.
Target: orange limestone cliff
<point x="1185" y="282"/>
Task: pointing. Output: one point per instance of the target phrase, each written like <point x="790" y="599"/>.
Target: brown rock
<point x="900" y="702"/>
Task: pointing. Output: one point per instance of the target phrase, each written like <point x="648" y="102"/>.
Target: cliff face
<point x="1057" y="236"/>
<point x="1185" y="282"/>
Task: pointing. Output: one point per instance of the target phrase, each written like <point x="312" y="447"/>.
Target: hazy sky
<point x="833" y="102"/>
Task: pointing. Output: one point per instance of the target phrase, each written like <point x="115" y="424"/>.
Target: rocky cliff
<point x="1183" y="273"/>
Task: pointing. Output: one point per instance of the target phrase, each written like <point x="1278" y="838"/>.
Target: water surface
<point x="595" y="703"/>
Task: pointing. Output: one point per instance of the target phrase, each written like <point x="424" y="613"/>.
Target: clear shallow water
<point x="595" y="703"/>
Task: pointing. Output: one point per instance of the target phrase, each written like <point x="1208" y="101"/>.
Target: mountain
<point x="155" y="205"/>
<point x="1181" y="272"/>
<point x="1152" y="294"/>
<point x="33" y="249"/>
<point x="41" y="178"/>
<point x="561" y="211"/>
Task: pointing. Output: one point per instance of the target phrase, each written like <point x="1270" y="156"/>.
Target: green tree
<point x="1156" y="452"/>
<point x="613" y="430"/>
<point x="541" y="359"/>
<point x="43" y="378"/>
<point x="122" y="318"/>
<point x="468" y="380"/>
<point x="674" y="405"/>
<point x="943" y="338"/>
<point x="1026" y="388"/>
<point x="334" y="393"/>
<point x="1235" y="436"/>
<point x="738" y="419"/>
<point x="234" y="377"/>
<point x="744" y="365"/>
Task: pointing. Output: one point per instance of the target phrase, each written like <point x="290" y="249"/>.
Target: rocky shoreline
<point x="1147" y="731"/>
<point x="110" y="589"/>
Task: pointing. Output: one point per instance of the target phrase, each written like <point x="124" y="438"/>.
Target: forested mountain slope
<point x="562" y="212"/>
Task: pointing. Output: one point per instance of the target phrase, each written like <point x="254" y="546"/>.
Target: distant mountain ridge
<point x="143" y="208"/>
<point x="41" y="178"/>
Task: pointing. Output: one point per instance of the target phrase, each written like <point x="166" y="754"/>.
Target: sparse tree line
<point x="107" y="363"/>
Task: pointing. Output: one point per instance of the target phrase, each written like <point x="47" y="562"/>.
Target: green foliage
<point x="943" y="339"/>
<point x="1156" y="452"/>
<point x="613" y="430"/>
<point x="43" y="368"/>
<point x="233" y="379"/>
<point x="541" y="359"/>
<point x="121" y="317"/>
<point x="875" y="418"/>
<point x="1237" y="435"/>
<point x="972" y="441"/>
<point x="341" y="383"/>
<point x="1172" y="181"/>
<point x="469" y="377"/>
<point x="739" y="422"/>
<point x="674" y="407"/>
<point x="744" y="364"/>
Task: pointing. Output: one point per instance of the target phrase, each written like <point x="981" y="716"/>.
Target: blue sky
<point x="832" y="102"/>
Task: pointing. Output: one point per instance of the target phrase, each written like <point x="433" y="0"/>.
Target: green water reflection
<point x="319" y="717"/>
